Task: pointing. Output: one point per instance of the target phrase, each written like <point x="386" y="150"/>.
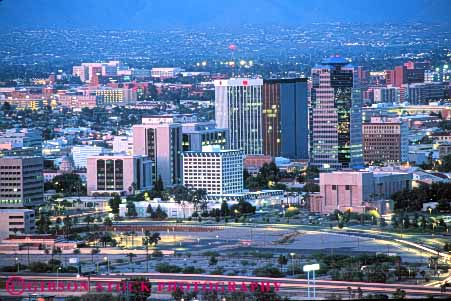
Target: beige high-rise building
<point x="160" y="140"/>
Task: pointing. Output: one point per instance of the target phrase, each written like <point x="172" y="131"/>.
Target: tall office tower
<point x="199" y="134"/>
<point x="21" y="182"/>
<point x="118" y="173"/>
<point x="217" y="171"/>
<point x="285" y="118"/>
<point x="80" y="154"/>
<point x="335" y="116"/>
<point x="161" y="141"/>
<point x="385" y="140"/>
<point x="238" y="108"/>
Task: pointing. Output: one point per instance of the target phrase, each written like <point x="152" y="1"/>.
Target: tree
<point x="225" y="208"/>
<point x="131" y="210"/>
<point x="445" y="165"/>
<point x="130" y="256"/>
<point x="68" y="184"/>
<point x="88" y="219"/>
<point x="108" y="223"/>
<point x="114" y="204"/>
<point x="43" y="223"/>
<point x="94" y="252"/>
<point x="159" y="214"/>
<point x="67" y="225"/>
<point x="213" y="260"/>
<point x="150" y="211"/>
<point x="282" y="260"/>
<point x="159" y="187"/>
<point x="399" y="294"/>
<point x="243" y="207"/>
<point x="150" y="240"/>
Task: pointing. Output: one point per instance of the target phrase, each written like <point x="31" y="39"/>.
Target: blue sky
<point x="154" y="14"/>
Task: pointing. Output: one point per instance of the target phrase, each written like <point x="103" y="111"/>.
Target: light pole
<point x="18" y="264"/>
<point x="311" y="268"/>
<point x="107" y="264"/>
<point x="292" y="262"/>
<point x="57" y="276"/>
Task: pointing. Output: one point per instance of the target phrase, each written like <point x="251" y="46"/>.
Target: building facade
<point x="385" y="140"/>
<point x="161" y="142"/>
<point x="335" y="116"/>
<point x="357" y="190"/>
<point x="217" y="171"/>
<point x="118" y="173"/>
<point x="80" y="154"/>
<point x="238" y="108"/>
<point x="21" y="182"/>
<point x="285" y="118"/>
<point x="199" y="134"/>
<point x="22" y="138"/>
<point x="16" y="221"/>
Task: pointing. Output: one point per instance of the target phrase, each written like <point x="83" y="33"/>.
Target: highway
<point x="286" y="284"/>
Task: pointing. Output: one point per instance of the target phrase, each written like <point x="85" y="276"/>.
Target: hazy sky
<point x="154" y="14"/>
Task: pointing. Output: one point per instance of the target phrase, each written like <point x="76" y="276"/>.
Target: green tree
<point x="108" y="223"/>
<point x="213" y="260"/>
<point x="131" y="210"/>
<point x="68" y="184"/>
<point x="114" y="204"/>
<point x="159" y="187"/>
<point x="225" y="208"/>
<point x="149" y="240"/>
<point x="43" y="223"/>
<point x="445" y="165"/>
<point x="399" y="294"/>
<point x="159" y="214"/>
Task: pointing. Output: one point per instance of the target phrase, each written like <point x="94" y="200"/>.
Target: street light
<point x="107" y="264"/>
<point x="292" y="262"/>
<point x="17" y="263"/>
<point x="311" y="268"/>
<point x="57" y="276"/>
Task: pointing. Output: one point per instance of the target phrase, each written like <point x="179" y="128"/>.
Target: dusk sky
<point x="149" y="14"/>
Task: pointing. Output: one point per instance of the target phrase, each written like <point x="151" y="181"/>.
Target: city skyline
<point x="225" y="150"/>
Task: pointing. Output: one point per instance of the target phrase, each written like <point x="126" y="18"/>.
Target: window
<point x="347" y="187"/>
<point x="334" y="187"/>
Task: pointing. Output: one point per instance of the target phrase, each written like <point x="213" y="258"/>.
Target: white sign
<point x="311" y="267"/>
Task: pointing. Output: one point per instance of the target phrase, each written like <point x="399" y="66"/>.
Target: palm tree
<point x="108" y="223"/>
<point x="150" y="240"/>
<point x="94" y="252"/>
<point x="130" y="256"/>
<point x="88" y="219"/>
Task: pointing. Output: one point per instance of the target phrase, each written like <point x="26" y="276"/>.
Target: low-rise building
<point x="118" y="174"/>
<point x="15" y="221"/>
<point x="357" y="190"/>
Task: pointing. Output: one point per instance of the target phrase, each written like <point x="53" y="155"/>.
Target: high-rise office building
<point x="238" y="108"/>
<point x="161" y="141"/>
<point x="80" y="154"/>
<point x="118" y="173"/>
<point x="335" y="116"/>
<point x="285" y="118"/>
<point x="385" y="140"/>
<point x="199" y="134"/>
<point x="217" y="171"/>
<point x="21" y="182"/>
